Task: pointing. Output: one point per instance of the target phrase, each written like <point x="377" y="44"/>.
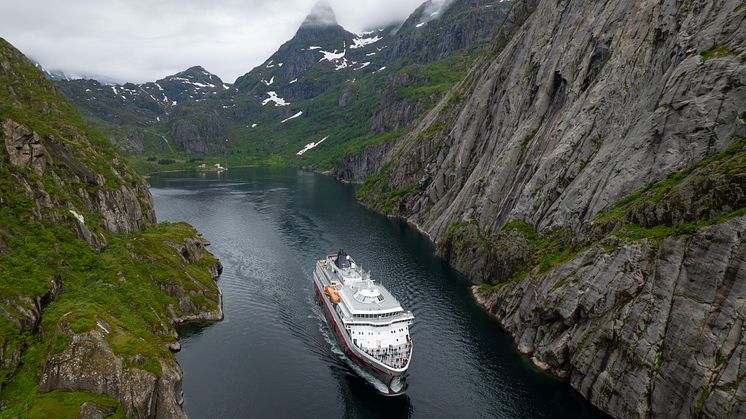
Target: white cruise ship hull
<point x="393" y="379"/>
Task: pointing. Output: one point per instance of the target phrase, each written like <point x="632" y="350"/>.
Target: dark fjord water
<point x="273" y="355"/>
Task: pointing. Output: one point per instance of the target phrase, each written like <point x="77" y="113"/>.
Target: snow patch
<point x="362" y="41"/>
<point x="363" y="66"/>
<point x="310" y="146"/>
<point x="77" y="216"/>
<point x="276" y="99"/>
<point x="268" y="83"/>
<point x="293" y="81"/>
<point x="419" y="25"/>
<point x="253" y="125"/>
<point x="292" y="117"/>
<point x="313" y="48"/>
<point x="332" y="56"/>
<point x="336" y="58"/>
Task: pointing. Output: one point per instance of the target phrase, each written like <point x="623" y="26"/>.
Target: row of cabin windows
<point x="377" y="316"/>
<point x="371" y="333"/>
<point x="377" y="325"/>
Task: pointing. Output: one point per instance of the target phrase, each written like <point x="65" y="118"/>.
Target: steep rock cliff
<point x="531" y="176"/>
<point x="648" y="329"/>
<point x="542" y="136"/>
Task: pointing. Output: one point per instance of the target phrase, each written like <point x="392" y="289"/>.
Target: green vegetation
<point x="728" y="164"/>
<point x="123" y="290"/>
<point x="347" y="129"/>
<point x="378" y="193"/>
<point x="717" y="51"/>
<point x="35" y="103"/>
<point x="438" y="78"/>
<point x="524" y="144"/>
<point x="432" y="131"/>
<point x="548" y="249"/>
<point x="702" y="400"/>
<point x="121" y="287"/>
<point x="499" y="46"/>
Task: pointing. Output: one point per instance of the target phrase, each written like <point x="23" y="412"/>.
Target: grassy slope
<point x="120" y="286"/>
<point x="275" y="143"/>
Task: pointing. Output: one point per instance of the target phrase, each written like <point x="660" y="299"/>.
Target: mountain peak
<point x="321" y="15"/>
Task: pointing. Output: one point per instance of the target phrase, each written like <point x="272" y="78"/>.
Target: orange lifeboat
<point x="331" y="292"/>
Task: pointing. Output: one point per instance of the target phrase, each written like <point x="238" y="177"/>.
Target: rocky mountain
<point x="140" y="116"/>
<point x="91" y="288"/>
<point x="325" y="82"/>
<point x="589" y="173"/>
<point x="322" y="44"/>
<point x="436" y="29"/>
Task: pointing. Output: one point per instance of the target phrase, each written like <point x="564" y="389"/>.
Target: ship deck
<point x="396" y="357"/>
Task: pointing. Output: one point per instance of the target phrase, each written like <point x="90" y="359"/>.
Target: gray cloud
<point x="142" y="40"/>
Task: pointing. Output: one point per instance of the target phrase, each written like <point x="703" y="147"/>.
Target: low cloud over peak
<point x="140" y="40"/>
<point x="321" y="15"/>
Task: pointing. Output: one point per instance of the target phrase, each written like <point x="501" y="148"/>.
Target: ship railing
<point x="405" y="315"/>
<point x="395" y="357"/>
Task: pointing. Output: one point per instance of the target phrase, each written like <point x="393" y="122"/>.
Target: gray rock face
<point x="197" y="134"/>
<point x="125" y="209"/>
<point x="26" y="316"/>
<point x="91" y="410"/>
<point x="542" y="136"/>
<point x="88" y="364"/>
<point x="646" y="330"/>
<point x="584" y="105"/>
<point x="393" y="112"/>
<point x="437" y="28"/>
<point x="358" y="167"/>
<point x="192" y="251"/>
<point x="23" y="146"/>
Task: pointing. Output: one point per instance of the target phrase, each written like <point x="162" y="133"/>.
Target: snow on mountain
<point x="278" y="101"/>
<point x="310" y="146"/>
<point x="292" y="117"/>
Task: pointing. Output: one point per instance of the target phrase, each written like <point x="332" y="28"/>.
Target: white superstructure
<point x="367" y="318"/>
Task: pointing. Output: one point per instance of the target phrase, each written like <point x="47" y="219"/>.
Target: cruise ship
<point x="367" y="320"/>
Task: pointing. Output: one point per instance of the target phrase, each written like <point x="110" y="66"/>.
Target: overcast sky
<point x="145" y="40"/>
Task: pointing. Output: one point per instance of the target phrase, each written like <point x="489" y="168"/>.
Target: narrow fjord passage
<point x="273" y="355"/>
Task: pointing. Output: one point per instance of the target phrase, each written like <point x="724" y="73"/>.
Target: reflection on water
<point x="273" y="355"/>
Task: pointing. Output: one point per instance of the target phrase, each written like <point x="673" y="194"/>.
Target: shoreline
<point x="540" y="365"/>
<point x="160" y="172"/>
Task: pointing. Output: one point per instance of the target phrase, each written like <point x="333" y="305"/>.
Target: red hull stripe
<point x="339" y="332"/>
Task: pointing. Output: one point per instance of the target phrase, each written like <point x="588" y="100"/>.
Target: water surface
<point x="273" y="355"/>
